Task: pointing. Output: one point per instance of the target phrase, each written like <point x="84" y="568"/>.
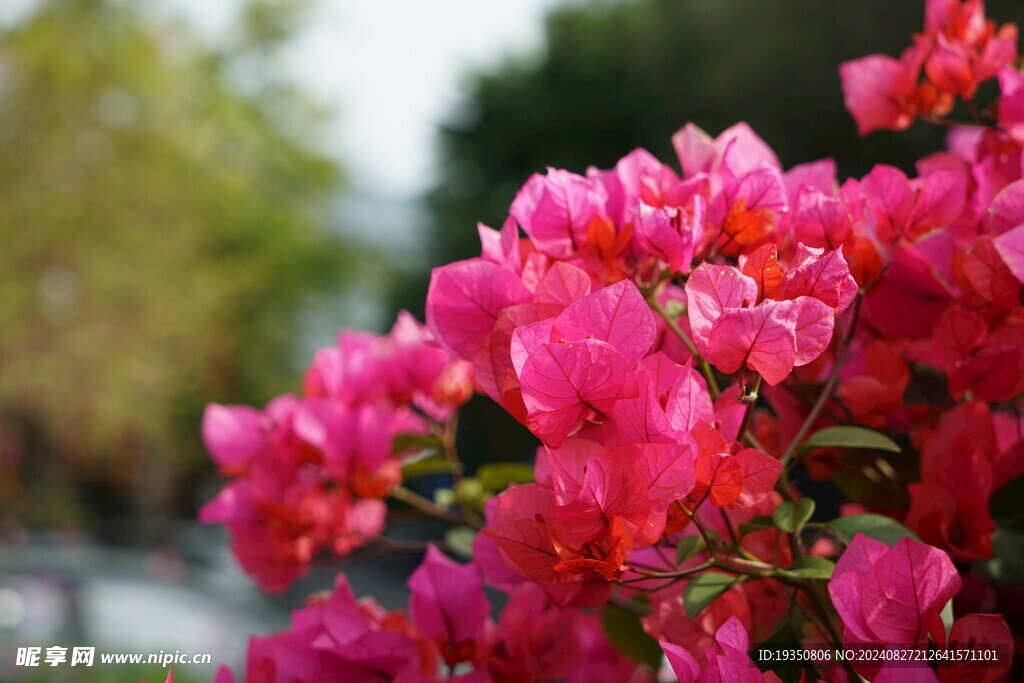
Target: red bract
<point x="733" y="331"/>
<point x="882" y="93"/>
<point x="978" y="631"/>
<point x="737" y="480"/>
<point x="578" y="364"/>
<point x="892" y="595"/>
<point x="672" y="234"/>
<point x="464" y="301"/>
<point x="556" y="209"/>
<point x="448" y="605"/>
<point x="339" y="639"/>
<point x="727" y="660"/>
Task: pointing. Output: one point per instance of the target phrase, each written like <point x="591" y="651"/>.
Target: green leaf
<point x="626" y="633"/>
<point x="810" y="567"/>
<point x="460" y="540"/>
<point x="1006" y="566"/>
<point x="424" y="467"/>
<point x="497" y="476"/>
<point x="471" y="493"/>
<point x="405" y="441"/>
<point x="878" y="527"/>
<point x="1005" y="504"/>
<point x="791" y="516"/>
<point x="756" y="524"/>
<point x="688" y="547"/>
<point x="849" y="437"/>
<point x="704" y="588"/>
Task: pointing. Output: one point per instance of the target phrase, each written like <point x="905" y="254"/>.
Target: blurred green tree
<point x="161" y="212"/>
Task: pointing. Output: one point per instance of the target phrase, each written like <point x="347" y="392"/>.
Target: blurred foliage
<point x="161" y="213"/>
<point x="616" y="75"/>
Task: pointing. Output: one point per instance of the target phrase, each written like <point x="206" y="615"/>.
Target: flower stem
<point x="750" y="398"/>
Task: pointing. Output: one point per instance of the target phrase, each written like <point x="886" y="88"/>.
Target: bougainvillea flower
<point x="533" y="638"/>
<point x="579" y="363"/>
<point x="597" y="527"/>
<point x="1010" y="246"/>
<point x="672" y="234"/>
<point x="880" y="92"/>
<point x="712" y="289"/>
<point x="555" y="209"/>
<point x="517" y="527"/>
<point x="874" y="380"/>
<point x="892" y="595"/>
<point x="909" y="299"/>
<point x="1011" y="103"/>
<point x="770" y="338"/>
<point x="564" y="383"/>
<point x="464" y="300"/>
<point x="978" y="631"/>
<point x="617" y="315"/>
<point x="236" y="435"/>
<point x="909" y="209"/>
<point x="335" y="639"/>
<point x="762" y="265"/>
<point x="699" y="153"/>
<point x="364" y="634"/>
<point x="826" y="277"/>
<point x="773" y="336"/>
<point x="448" y="605"/>
<point x="665" y="468"/>
<point x="233" y="435"/>
<point x="727" y="659"/>
<point x="821" y="220"/>
<point x="501" y="247"/>
<point x="1006" y="210"/>
<point x="966" y="49"/>
<point x="727" y="479"/>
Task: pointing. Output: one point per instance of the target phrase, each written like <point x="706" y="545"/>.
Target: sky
<point x="391" y="70"/>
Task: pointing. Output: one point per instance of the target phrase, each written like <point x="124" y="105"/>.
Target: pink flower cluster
<point x="339" y="638"/>
<point x="309" y="473"/>
<point x="958" y="51"/>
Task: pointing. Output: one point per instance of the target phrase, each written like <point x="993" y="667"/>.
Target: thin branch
<point x="819" y="608"/>
<point x="830" y="385"/>
<point x="681" y="573"/>
<point x="705" y="368"/>
<point x="424" y="504"/>
<point x="631" y="605"/>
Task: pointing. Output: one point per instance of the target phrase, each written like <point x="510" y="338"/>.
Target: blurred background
<point x="195" y="195"/>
